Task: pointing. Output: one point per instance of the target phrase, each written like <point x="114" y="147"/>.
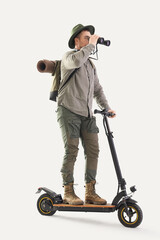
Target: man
<point x="74" y="112"/>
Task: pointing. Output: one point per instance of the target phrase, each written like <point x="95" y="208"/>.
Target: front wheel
<point x="45" y="204"/>
<point x="134" y="216"/>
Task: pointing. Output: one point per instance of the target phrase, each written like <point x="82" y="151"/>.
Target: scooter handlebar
<point x="104" y="112"/>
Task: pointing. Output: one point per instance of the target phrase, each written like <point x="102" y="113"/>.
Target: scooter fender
<point x="57" y="197"/>
<point x="128" y="200"/>
<point x="50" y="192"/>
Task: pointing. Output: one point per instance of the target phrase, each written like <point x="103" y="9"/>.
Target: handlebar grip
<point x="110" y="114"/>
<point x="104" y="112"/>
<point x="101" y="112"/>
<point x="96" y="111"/>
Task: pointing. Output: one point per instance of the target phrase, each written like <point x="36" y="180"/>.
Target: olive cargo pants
<point x="73" y="128"/>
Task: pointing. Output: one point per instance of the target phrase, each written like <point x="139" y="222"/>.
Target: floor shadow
<point x="89" y="221"/>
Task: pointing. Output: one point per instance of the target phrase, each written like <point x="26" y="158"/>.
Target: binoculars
<point x="104" y="42"/>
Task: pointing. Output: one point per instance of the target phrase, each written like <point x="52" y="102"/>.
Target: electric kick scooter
<point x="129" y="213"/>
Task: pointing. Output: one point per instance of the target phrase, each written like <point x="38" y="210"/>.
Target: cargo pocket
<point x="59" y="113"/>
<point x="61" y="122"/>
<point x="91" y="126"/>
<point x="60" y="117"/>
<point x="74" y="128"/>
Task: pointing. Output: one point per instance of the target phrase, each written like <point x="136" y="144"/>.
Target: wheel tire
<point x="40" y="203"/>
<point x="136" y="218"/>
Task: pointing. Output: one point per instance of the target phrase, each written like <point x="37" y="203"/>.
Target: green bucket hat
<point x="76" y="30"/>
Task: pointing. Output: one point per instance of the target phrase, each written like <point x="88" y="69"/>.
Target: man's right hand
<point x="93" y="39"/>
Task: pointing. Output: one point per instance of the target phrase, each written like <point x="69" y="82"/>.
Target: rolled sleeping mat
<point x="46" y="66"/>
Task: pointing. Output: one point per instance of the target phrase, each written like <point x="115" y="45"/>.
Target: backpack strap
<point x="57" y="68"/>
<point x="56" y="80"/>
<point x="68" y="79"/>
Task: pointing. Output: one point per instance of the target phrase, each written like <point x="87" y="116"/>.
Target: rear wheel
<point x="134" y="216"/>
<point x="45" y="204"/>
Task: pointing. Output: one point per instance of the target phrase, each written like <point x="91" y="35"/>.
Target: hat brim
<point x="90" y="28"/>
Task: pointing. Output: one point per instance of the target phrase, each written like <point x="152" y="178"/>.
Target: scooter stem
<point x="121" y="180"/>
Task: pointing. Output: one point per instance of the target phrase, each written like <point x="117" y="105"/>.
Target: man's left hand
<point x="112" y="111"/>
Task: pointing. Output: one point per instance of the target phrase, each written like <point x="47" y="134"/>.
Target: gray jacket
<point x="79" y="91"/>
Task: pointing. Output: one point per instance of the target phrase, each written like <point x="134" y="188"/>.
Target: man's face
<point x="82" y="39"/>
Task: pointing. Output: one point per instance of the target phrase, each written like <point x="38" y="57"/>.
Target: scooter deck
<point x="84" y="208"/>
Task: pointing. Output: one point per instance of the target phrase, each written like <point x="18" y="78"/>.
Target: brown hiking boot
<point x="69" y="195"/>
<point x="90" y="195"/>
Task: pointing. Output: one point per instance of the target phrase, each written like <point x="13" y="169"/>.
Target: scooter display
<point x="129" y="213"/>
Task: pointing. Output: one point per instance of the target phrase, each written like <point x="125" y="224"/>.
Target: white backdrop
<point x="31" y="144"/>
